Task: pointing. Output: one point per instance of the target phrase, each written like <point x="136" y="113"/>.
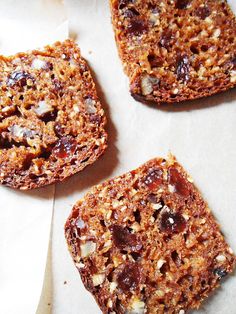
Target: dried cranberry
<point x="19" y="78"/>
<point x="153" y="179"/>
<point x="123" y="239"/>
<point x="155" y="61"/>
<point x="203" y="12"/>
<point x="130" y="13"/>
<point x="152" y="198"/>
<point x="182" y="4"/>
<point x="182" y="68"/>
<point x="49" y="66"/>
<point x="58" y="128"/>
<point x="95" y="119"/>
<point x="49" y="116"/>
<point x="130" y="277"/>
<point x="123" y="3"/>
<point x="178" y="181"/>
<point x="65" y="147"/>
<point x="153" y="8"/>
<point x="58" y="87"/>
<point x="172" y="222"/>
<point x="219" y="272"/>
<point x="136" y="27"/>
<point x="166" y="39"/>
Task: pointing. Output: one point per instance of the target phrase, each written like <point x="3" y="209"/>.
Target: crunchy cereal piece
<point x="169" y="263"/>
<point x="51" y="120"/>
<point x="175" y="50"/>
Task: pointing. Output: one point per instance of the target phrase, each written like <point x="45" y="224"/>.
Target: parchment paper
<point x="25" y="217"/>
<point x="201" y="134"/>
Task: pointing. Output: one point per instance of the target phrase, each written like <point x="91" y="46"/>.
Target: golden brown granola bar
<point x="146" y="242"/>
<point x="51" y="120"/>
<point x="175" y="50"/>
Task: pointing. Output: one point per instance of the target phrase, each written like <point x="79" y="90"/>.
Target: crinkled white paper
<point x="25" y="217"/>
<point x="202" y="135"/>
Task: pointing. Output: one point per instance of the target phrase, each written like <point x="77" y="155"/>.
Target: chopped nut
<point x="190" y="179"/>
<point x="202" y="221"/>
<point x="80" y="224"/>
<point x="43" y="107"/>
<point x="201" y="71"/>
<point x="186" y="217"/>
<point x="110" y="303"/>
<point x="159" y="293"/>
<point x="216" y="33"/>
<point x="220" y="258"/>
<point x="108" y="243"/>
<point x="137" y="307"/>
<point x="116" y="261"/>
<point x="156" y="206"/>
<point x="90" y="105"/>
<point x="175" y="91"/>
<point x="152" y="219"/>
<point x="7" y="108"/>
<point x="98" y="279"/>
<point x="233" y="76"/>
<point x="79" y="265"/>
<point x="113" y="286"/>
<point x="38" y="64"/>
<point x="21" y="132"/>
<point x="115" y="203"/>
<point x="154" y="18"/>
<point x="171" y="188"/>
<point x="208" y="20"/>
<point x="87" y="248"/>
<point x="160" y="263"/>
<point x="146" y="85"/>
<point x="135" y="226"/>
<point x="76" y="108"/>
<point x="108" y="214"/>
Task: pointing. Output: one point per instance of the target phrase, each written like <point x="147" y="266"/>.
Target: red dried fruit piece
<point x="154" y="8"/>
<point x="178" y="181"/>
<point x="49" y="116"/>
<point x="130" y="277"/>
<point x="18" y="78"/>
<point x="182" y="68"/>
<point x="182" y="4"/>
<point x="155" y="61"/>
<point x="95" y="119"/>
<point x="123" y="3"/>
<point x="49" y="66"/>
<point x="167" y="38"/>
<point x="130" y="13"/>
<point x="137" y="27"/>
<point x="124" y="240"/>
<point x="58" y="87"/>
<point x="172" y="222"/>
<point x="154" y="178"/>
<point x="203" y="12"/>
<point x="220" y="273"/>
<point x="65" y="147"/>
<point x="58" y="128"/>
<point x="152" y="198"/>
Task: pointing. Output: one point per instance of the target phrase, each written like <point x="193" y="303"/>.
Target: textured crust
<point x="175" y="50"/>
<point x="146" y="242"/>
<point x="51" y="120"/>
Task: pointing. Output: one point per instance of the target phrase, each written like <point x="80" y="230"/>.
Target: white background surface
<point x="202" y="135"/>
